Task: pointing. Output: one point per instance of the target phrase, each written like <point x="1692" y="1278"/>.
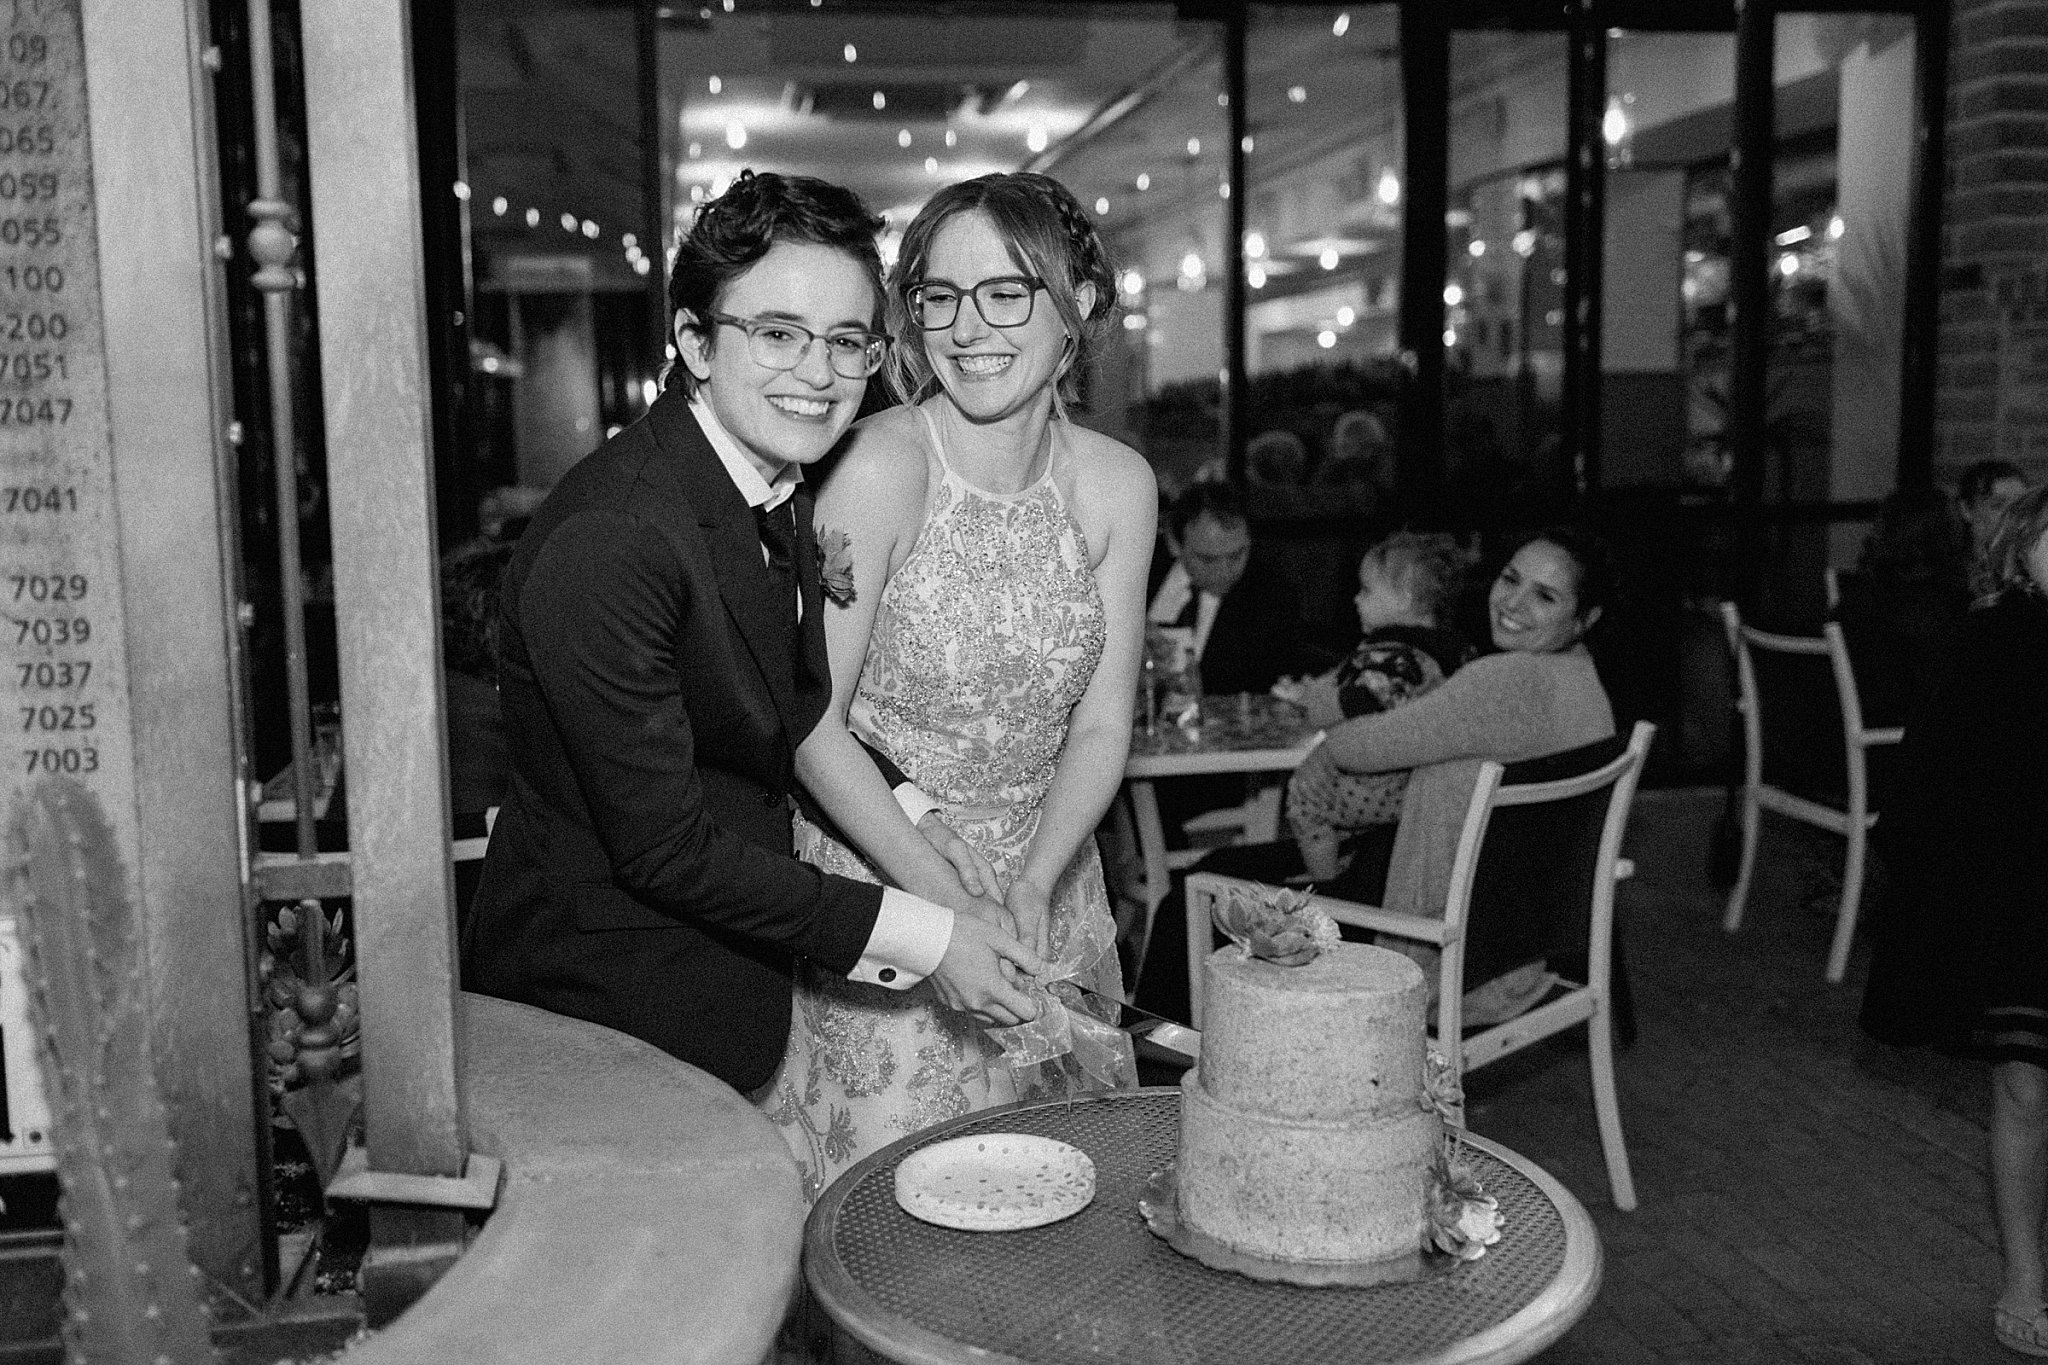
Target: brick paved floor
<point x="1805" y="1195"/>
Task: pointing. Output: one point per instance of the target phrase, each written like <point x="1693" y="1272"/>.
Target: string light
<point x="902" y="137"/>
<point x="1343" y="23"/>
<point x="499" y="205"/>
<point x="715" y="84"/>
<point x="1329" y="258"/>
<point x="850" y="52"/>
<point x="1035" y="138"/>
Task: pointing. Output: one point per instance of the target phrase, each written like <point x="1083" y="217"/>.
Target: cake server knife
<point x="1153" y="1028"/>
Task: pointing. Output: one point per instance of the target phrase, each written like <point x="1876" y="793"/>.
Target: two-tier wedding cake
<point x="1306" y="1135"/>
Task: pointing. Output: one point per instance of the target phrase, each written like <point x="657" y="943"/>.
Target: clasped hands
<point x="996" y="940"/>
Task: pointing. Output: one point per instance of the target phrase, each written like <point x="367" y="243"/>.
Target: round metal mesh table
<point x="1100" y="1287"/>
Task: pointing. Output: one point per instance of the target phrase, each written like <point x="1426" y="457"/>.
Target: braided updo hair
<point x="1048" y="234"/>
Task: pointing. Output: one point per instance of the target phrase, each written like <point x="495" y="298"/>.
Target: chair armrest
<point x="1624" y="868"/>
<point x="1420" y="927"/>
<point x="1890" y="734"/>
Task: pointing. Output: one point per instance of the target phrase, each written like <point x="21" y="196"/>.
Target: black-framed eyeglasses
<point x="1004" y="301"/>
<point x="778" y="345"/>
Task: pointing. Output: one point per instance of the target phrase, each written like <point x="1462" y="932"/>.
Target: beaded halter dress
<point x="983" y="641"/>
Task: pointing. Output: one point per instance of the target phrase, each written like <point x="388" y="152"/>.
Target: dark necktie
<point x="778" y="535"/>
<point x="1192" y="612"/>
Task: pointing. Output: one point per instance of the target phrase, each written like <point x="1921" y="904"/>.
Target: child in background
<point x="1407" y="584"/>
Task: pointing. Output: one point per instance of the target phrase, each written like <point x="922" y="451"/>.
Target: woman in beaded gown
<point x="988" y="642"/>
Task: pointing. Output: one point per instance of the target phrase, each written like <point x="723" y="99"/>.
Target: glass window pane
<point x="564" y="328"/>
<point x="1664" y="325"/>
<point x="1504" y="279"/>
<point x="896" y="101"/>
<point x="1842" y="202"/>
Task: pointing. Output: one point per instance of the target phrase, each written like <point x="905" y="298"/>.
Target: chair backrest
<point x="1803" y="736"/>
<point x="1535" y="870"/>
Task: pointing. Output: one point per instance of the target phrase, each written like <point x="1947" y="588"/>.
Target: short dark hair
<point x="1595" y="588"/>
<point x="1213" y="498"/>
<point x="470" y="579"/>
<point x="738" y="227"/>
<point x="1048" y="234"/>
<point x="1976" y="482"/>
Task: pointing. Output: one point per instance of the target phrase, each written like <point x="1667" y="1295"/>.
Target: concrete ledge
<point x="649" y="1213"/>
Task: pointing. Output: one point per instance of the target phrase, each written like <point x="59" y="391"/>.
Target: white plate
<point x="995" y="1182"/>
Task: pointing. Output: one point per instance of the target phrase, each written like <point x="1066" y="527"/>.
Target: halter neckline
<point x="931" y="425"/>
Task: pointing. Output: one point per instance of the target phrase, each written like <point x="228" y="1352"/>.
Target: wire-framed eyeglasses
<point x="778" y="345"/>
<point x="1004" y="301"/>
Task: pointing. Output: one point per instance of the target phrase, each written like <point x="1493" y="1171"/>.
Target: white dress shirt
<point x="911" y="933"/>
<point x="1172" y="599"/>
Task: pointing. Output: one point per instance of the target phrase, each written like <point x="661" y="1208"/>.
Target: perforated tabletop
<point x="1099" y="1287"/>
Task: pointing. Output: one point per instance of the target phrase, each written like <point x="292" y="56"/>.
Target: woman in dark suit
<point x="1962" y="944"/>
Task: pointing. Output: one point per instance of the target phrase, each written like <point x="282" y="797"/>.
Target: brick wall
<point x="1993" y="386"/>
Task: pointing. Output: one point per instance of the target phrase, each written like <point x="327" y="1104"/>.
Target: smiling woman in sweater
<point x="1540" y="694"/>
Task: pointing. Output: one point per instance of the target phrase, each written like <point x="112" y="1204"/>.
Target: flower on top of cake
<point x="1464" y="1220"/>
<point x="1275" y="925"/>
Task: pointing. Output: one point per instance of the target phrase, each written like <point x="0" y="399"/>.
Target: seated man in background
<point x="1983" y="492"/>
<point x="1246" y="618"/>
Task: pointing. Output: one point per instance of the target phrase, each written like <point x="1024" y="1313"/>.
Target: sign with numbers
<point x="63" y="679"/>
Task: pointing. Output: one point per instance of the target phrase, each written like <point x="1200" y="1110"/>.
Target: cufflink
<point x="886" y="975"/>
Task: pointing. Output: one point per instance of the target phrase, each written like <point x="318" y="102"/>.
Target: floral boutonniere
<point x="835" y="565"/>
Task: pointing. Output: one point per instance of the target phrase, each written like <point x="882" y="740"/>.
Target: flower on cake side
<point x="1276" y="925"/>
<point x="1441" y="1091"/>
<point x="1464" y="1220"/>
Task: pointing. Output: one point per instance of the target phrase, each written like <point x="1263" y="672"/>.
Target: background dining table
<point x="1244" y="733"/>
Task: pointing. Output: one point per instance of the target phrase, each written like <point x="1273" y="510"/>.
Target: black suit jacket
<point x="655" y="686"/>
<point x="1258" y="636"/>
